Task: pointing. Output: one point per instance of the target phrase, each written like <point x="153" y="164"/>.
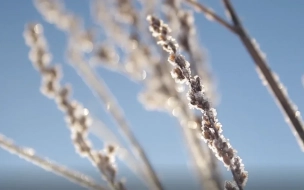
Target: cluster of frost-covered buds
<point x="211" y="128"/>
<point x="77" y="116"/>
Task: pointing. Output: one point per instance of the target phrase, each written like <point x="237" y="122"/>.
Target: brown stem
<point x="214" y="16"/>
<point x="267" y="73"/>
<point x="237" y="28"/>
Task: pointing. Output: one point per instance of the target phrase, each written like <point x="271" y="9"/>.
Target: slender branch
<point x="273" y="83"/>
<point x="48" y="165"/>
<point x="100" y="88"/>
<point x="211" y="15"/>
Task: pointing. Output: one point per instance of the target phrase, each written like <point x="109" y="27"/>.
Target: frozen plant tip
<point x="211" y="128"/>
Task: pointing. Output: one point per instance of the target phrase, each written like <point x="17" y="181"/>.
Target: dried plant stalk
<point x="211" y="15"/>
<point x="277" y="89"/>
<point x="29" y="155"/>
<point x="99" y="87"/>
<point x="183" y="24"/>
<point x="274" y="84"/>
<point x="196" y="95"/>
<point x="77" y="117"/>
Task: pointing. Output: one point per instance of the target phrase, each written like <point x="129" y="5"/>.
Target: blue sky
<point x="250" y="118"/>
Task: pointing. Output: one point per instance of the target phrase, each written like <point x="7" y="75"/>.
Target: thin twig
<point x="99" y="87"/>
<point x="29" y="155"/>
<point x="275" y="86"/>
<point x="211" y="15"/>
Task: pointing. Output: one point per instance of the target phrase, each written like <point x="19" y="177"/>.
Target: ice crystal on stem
<point x="211" y="128"/>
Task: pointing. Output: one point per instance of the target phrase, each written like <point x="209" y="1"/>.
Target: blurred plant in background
<point x="128" y="48"/>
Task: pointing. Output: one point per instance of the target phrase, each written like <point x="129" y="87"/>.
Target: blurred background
<point x="251" y="119"/>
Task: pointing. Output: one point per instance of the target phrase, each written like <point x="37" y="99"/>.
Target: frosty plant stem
<point x="76" y="116"/>
<point x="211" y="128"/>
<point x="277" y="89"/>
<point x="29" y="155"/>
